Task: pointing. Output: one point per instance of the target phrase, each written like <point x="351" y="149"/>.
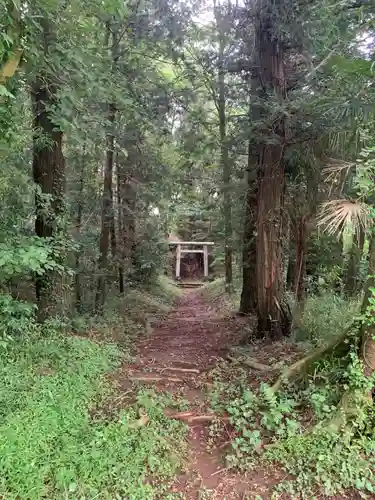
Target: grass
<point x="55" y="444"/>
<point x="325" y="316"/>
<point x="214" y="293"/>
<point x="155" y="301"/>
<point x="128" y="316"/>
<point x="49" y="445"/>
<point x="165" y="290"/>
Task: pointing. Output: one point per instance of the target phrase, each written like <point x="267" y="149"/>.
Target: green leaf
<point x="4" y="92"/>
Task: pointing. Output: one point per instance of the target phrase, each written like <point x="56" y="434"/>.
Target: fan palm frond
<point x="336" y="215"/>
<point x="335" y="167"/>
<point x="336" y="172"/>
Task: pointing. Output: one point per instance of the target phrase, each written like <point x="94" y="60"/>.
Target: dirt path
<point x="177" y="357"/>
<point x="193" y="334"/>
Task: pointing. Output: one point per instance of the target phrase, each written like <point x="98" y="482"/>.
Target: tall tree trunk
<point x="301" y="252"/>
<point x="224" y="159"/>
<point x="272" y="311"/>
<point x="77" y="281"/>
<point x="49" y="176"/>
<point x="107" y="214"/>
<point x="127" y="210"/>
<point x="119" y="227"/>
<point x="129" y="198"/>
<point x="301" y="239"/>
<point x="305" y="209"/>
<point x="291" y="268"/>
<point x="107" y="221"/>
<point x="113" y="233"/>
<point x="249" y="288"/>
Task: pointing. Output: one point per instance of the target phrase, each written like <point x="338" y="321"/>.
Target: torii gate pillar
<point x="178" y="261"/>
<point x="182" y="248"/>
<point x="205" y="260"/>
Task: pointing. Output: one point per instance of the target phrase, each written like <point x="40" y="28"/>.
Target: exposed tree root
<point x="253" y="363"/>
<point x="178" y="369"/>
<point x="303" y="365"/>
<point x="208" y="368"/>
<point x="154" y="378"/>
<point x="345" y="412"/>
<point x="191" y="417"/>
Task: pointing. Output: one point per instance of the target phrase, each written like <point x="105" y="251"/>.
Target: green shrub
<point x="326" y="316"/>
<point x="16" y="317"/>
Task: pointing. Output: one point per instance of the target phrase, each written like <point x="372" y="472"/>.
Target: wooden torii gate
<point x="182" y="248"/>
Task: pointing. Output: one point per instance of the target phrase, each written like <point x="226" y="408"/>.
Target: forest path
<point x="182" y="356"/>
<point x="178" y="357"/>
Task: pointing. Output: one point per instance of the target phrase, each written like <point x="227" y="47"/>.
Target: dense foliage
<point x="250" y="125"/>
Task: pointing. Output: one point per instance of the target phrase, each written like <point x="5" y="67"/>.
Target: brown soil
<point x="178" y="357"/>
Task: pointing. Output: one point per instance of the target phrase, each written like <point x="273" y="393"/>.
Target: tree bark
<point x="107" y="214"/>
<point x="301" y="252"/>
<point x="119" y="227"/>
<point x="291" y="271"/>
<point x="113" y="234"/>
<point x="77" y="281"/>
<point x="272" y="311"/>
<point x="49" y="176"/>
<point x="301" y="239"/>
<point x="249" y="288"/>
<point x="224" y="159"/>
<point x="129" y="198"/>
<point x="107" y="219"/>
<point x="127" y="217"/>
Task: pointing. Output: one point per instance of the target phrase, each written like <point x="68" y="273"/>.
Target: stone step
<point x="185" y="284"/>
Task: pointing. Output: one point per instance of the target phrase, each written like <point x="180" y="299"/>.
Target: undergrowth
<point x="325" y="316"/>
<point x="54" y="443"/>
<point x="214" y="293"/>
<point x="319" y="429"/>
<point x="291" y="428"/>
<point x="165" y="290"/>
<point x="50" y="446"/>
<point x="152" y="302"/>
<point x="129" y="316"/>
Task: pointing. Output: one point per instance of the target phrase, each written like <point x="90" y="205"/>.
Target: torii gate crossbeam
<point x="181" y="250"/>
